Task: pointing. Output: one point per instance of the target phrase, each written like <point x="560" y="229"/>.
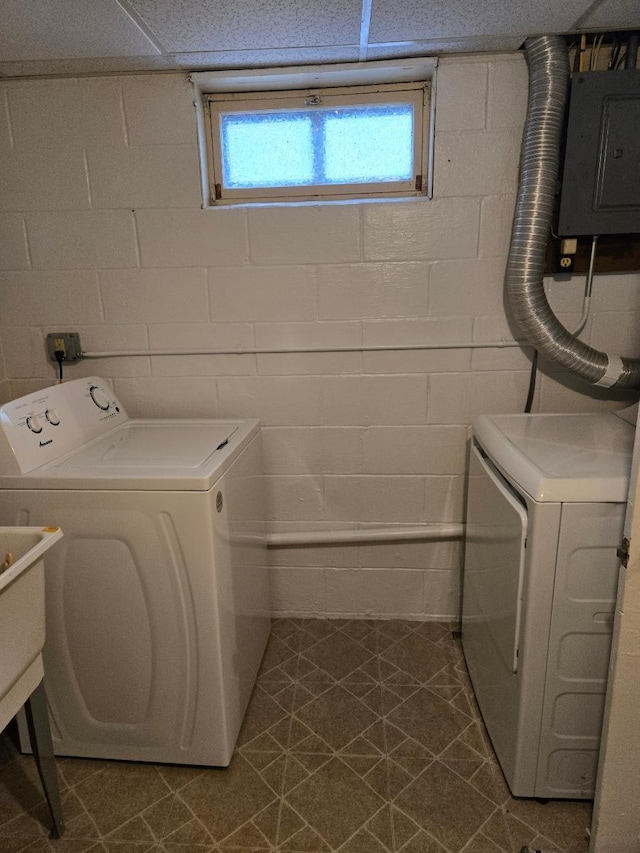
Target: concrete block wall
<point x="101" y="232"/>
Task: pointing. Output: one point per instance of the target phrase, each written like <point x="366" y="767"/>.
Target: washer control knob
<point x="52" y="416"/>
<point x="33" y="422"/>
<point x="99" y="398"/>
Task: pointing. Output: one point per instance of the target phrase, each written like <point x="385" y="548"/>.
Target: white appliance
<point x="157" y="599"/>
<point x="545" y="510"/>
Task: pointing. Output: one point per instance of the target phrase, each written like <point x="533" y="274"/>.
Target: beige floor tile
<point x="338" y="655"/>
<point x="445" y="806"/>
<point x="119" y="792"/>
<point x="336" y="803"/>
<point x="416" y="656"/>
<point x="224" y="800"/>
<point x="563" y="822"/>
<point x="429" y="720"/>
<point x="362" y="736"/>
<point x="338" y="718"/>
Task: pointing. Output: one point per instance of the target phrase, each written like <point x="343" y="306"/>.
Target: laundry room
<point x="365" y="334"/>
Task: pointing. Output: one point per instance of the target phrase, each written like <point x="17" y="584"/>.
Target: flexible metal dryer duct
<point x="548" y="83"/>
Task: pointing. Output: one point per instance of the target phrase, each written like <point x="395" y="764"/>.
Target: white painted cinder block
<point x="424" y="229"/>
<point x="375" y="592"/>
<point x="566" y="293"/>
<point x="49" y="297"/>
<point x="13" y="243"/>
<point x="444" y="499"/>
<point x="310" y="364"/>
<point x="191" y="238"/>
<point x="159" y="109"/>
<point x="496" y="219"/>
<point x="22" y="387"/>
<point x="354" y="291"/>
<point x="294" y="498"/>
<point x="466" y="288"/>
<point x="367" y="400"/>
<point x="417" y="331"/>
<point x="621" y="326"/>
<point x="298" y="591"/>
<point x="508" y="89"/>
<point x="559" y="391"/>
<point x="476" y="164"/>
<point x="43" y="180"/>
<point x="67" y="114"/>
<point x="154" y="296"/>
<point x="154" y="176"/>
<point x="6" y="140"/>
<point x="385" y="499"/>
<point x="461" y="96"/>
<point x="24" y="352"/>
<point x="291" y="335"/>
<point x="200" y="335"/>
<point x="276" y="400"/>
<point x="499" y="329"/>
<point x="417" y="361"/>
<point x="98" y="239"/>
<point x="312" y="450"/>
<point x="203" y="365"/>
<point x="616" y="292"/>
<point x="347" y="333"/>
<point x="155" y="397"/>
<point x="192" y="336"/>
<point x="442" y="593"/>
<point x="411" y="555"/>
<point x="274" y="294"/>
<point x="325" y="234"/>
<point x="457" y="398"/>
<point x="414" y="450"/>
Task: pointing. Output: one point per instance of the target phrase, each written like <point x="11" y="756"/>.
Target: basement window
<point x="317" y="144"/>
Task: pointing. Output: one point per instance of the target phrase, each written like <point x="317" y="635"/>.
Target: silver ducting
<point x="548" y="84"/>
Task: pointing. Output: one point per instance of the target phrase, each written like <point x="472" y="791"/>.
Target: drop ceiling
<point x="52" y="37"/>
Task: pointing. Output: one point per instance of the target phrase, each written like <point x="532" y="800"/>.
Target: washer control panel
<point x="44" y="426"/>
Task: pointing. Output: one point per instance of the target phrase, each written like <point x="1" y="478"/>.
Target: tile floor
<point x="361" y="737"/>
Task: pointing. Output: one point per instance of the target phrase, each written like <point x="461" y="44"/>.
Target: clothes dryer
<point x="546" y="504"/>
<point x="157" y="600"/>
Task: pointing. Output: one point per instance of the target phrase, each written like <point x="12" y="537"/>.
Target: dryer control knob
<point x="99" y="398"/>
<point x="33" y="422"/>
<point x="52" y="416"/>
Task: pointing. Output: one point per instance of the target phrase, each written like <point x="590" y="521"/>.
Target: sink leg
<point x="42" y="745"/>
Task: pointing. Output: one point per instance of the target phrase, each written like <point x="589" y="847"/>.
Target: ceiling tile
<point x="220" y="59"/>
<point x="611" y="14"/>
<point x="432" y="19"/>
<point x="50" y="29"/>
<point x="435" y="47"/>
<point x="204" y="25"/>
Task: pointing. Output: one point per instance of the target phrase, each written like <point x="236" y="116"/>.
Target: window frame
<point x="416" y="92"/>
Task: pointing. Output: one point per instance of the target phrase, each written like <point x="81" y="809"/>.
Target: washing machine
<point x="545" y="511"/>
<point x="157" y="611"/>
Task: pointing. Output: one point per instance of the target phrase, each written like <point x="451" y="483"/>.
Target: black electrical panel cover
<point x="601" y="183"/>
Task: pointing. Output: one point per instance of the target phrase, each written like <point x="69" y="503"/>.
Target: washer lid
<point x="579" y="458"/>
<point x="150" y="447"/>
<point x="162" y="454"/>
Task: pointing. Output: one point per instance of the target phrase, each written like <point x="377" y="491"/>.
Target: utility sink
<point x="21" y="613"/>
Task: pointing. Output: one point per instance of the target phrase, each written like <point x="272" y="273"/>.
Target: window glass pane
<point x="266" y="149"/>
<point x="324" y="144"/>
<point x="368" y="144"/>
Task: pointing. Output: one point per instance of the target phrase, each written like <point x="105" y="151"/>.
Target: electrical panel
<point x="601" y="182"/>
